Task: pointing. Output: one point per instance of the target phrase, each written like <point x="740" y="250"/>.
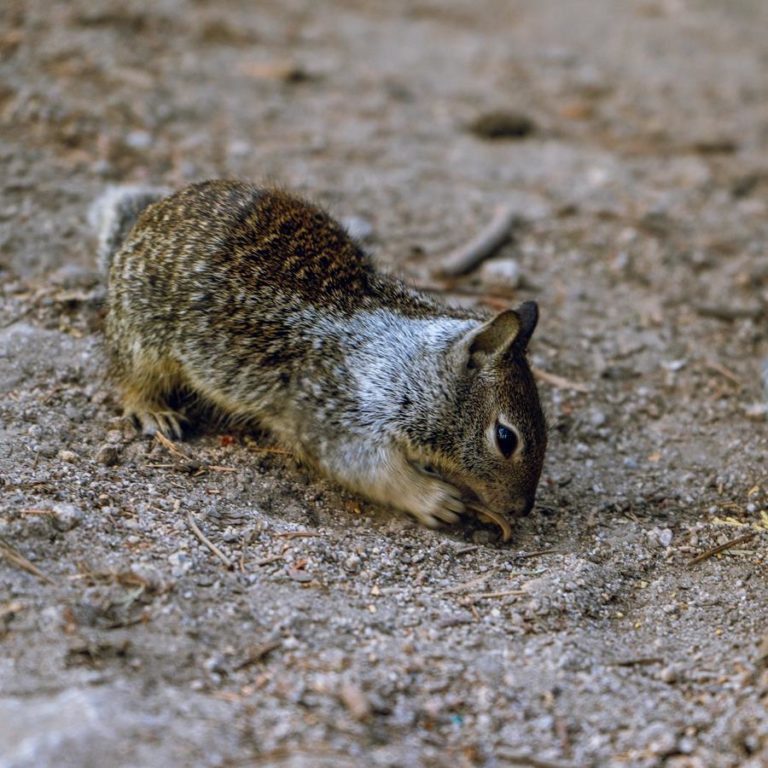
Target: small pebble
<point x="301" y="576"/>
<point x="69" y="456"/>
<point x="501" y="272"/>
<point x="108" y="455"/>
<point x="669" y="675"/>
<point x="357" y="227"/>
<point x="66" y="517"/>
<point x="355" y="700"/>
<point x="138" y="139"/>
<point x="757" y="411"/>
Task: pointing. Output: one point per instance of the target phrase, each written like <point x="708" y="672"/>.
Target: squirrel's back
<point x="256" y="236"/>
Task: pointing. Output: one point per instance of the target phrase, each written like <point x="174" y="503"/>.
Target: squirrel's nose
<point x="523" y="505"/>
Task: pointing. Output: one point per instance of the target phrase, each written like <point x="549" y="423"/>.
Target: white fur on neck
<point x="395" y="348"/>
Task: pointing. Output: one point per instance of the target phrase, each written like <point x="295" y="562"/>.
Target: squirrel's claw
<point x="168" y="423"/>
<point x="439" y="504"/>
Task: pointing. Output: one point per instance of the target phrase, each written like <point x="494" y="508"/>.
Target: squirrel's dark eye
<point x="506" y="439"/>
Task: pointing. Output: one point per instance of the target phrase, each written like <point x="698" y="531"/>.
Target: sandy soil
<point x="344" y="634"/>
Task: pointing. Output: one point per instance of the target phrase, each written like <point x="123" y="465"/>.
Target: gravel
<point x="608" y="632"/>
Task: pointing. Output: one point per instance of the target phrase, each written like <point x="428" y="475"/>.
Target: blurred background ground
<point x="344" y="634"/>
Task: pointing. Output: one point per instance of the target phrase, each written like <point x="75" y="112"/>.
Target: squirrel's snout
<point x="522" y="506"/>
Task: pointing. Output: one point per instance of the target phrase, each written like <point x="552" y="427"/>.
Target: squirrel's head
<point x="497" y="434"/>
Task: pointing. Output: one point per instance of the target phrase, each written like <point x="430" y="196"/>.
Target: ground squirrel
<point x="262" y="305"/>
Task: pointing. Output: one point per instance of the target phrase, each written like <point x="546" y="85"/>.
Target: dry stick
<point x="559" y="382"/>
<point x="482" y="246"/>
<point x="514" y="758"/>
<point x="16" y="558"/>
<point x="467" y="584"/>
<point x="208" y="543"/>
<point x="722" y="547"/>
<point x="268" y="560"/>
<point x="258" y="653"/>
<point x="502" y="593"/>
<point x="713" y="365"/>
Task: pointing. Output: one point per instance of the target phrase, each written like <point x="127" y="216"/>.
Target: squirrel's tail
<point x="114" y="212"/>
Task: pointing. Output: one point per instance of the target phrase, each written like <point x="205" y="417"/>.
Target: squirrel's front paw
<point x="435" y="503"/>
<point x="167" y="422"/>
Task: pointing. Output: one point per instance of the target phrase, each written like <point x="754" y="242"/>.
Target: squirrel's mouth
<point x="488" y="515"/>
<point x="475" y="504"/>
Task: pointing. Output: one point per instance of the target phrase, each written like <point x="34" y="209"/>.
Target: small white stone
<point x="66" y="516"/>
<point x="504" y="272"/>
<point x="357" y="227"/>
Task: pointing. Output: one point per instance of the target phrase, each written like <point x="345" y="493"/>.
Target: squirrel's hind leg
<point x="146" y="390"/>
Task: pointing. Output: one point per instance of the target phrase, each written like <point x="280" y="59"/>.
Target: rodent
<point x="262" y="305"/>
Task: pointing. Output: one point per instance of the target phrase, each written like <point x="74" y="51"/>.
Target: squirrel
<point x="261" y="304"/>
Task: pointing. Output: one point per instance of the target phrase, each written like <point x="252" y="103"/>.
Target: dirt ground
<point x="608" y="632"/>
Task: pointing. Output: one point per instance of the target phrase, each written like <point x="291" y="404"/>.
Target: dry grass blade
<point x="13" y="556"/>
<point x="208" y="543"/>
<point x="170" y="446"/>
<point x="722" y="547"/>
<point x="500" y="593"/>
<point x="726" y="373"/>
<point x="559" y="382"/>
<point x="257" y="654"/>
<point x="530" y="761"/>
<point x="467" y="585"/>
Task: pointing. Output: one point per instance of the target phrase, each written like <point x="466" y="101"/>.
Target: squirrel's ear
<point x="528" y="312"/>
<point x="509" y="330"/>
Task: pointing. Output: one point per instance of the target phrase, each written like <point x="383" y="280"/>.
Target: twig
<point x="560" y="382"/>
<point x="465" y="258"/>
<point x="502" y="593"/>
<point x="257" y="653"/>
<point x="467" y="584"/>
<point x="726" y="312"/>
<point x="13" y="556"/>
<point x="297" y="534"/>
<point x="722" y="547"/>
<point x="451" y="288"/>
<point x="723" y="371"/>
<point x="269" y="560"/>
<point x="208" y="543"/>
<point x="515" y="758"/>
